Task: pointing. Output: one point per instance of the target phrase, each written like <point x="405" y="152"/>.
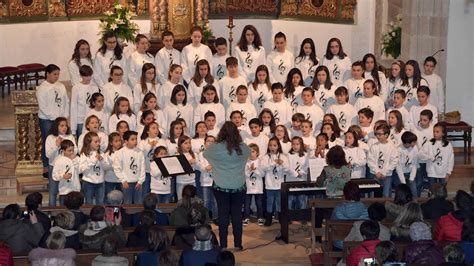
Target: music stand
<point x="174" y="165"/>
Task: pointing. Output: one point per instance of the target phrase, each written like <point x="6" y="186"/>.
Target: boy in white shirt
<point x="399" y="105"/>
<point x="434" y="83"/>
<point x="129" y="166"/>
<point x="246" y="108"/>
<point x="307" y="135"/>
<point x="382" y="159"/>
<point x="424" y="133"/>
<point x="228" y="84"/>
<point x="66" y="170"/>
<point x="210" y="121"/>
<point x="423" y="94"/>
<point x="366" y="117"/>
<point x="257" y="137"/>
<point x="218" y="62"/>
<point x="355" y="85"/>
<point x="166" y="56"/>
<point x="309" y="109"/>
<point x="407" y="166"/>
<point x="295" y="129"/>
<point x="280" y="108"/>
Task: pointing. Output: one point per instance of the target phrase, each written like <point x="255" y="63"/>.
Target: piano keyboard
<point x="296" y="189"/>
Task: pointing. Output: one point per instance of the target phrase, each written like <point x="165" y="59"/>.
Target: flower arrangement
<point x="207" y="33"/>
<point x="392" y="40"/>
<point x="119" y="21"/>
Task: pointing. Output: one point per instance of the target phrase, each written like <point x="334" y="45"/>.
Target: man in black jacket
<point x="438" y="205"/>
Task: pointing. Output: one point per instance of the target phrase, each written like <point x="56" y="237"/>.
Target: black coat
<point x="435" y="208"/>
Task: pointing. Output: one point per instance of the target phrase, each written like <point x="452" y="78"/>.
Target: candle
<point x="231" y="20"/>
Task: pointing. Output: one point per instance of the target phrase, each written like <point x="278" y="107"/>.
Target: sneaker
<point x="246" y="221"/>
<point x="261" y="221"/>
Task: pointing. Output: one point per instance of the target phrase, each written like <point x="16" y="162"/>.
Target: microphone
<point x="439" y="51"/>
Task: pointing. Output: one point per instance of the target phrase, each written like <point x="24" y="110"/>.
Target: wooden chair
<point x="32" y="73"/>
<point x="9" y="76"/>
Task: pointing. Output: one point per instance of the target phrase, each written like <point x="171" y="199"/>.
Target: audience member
<point x="139" y="237"/>
<point x="63" y="222"/>
<point x="168" y="258"/>
<point x="6" y="257"/>
<point x="454" y="255"/>
<point x="149" y="203"/>
<point x="386" y="253"/>
<point x="351" y="208"/>
<point x="403" y="196"/>
<point x="55" y="253"/>
<point x="449" y="226"/>
<point x="189" y="202"/>
<point x="115" y="199"/>
<point x="109" y="255"/>
<point x="467" y="240"/>
<point x="438" y="205"/>
<point x="376" y="213"/>
<point x="226" y="258"/>
<point x="93" y="234"/>
<point x="73" y="202"/>
<point x="203" y="251"/>
<point x="33" y="204"/>
<point x="370" y="231"/>
<point x="20" y="236"/>
<point x="411" y="213"/>
<point x="422" y="250"/>
<point x="158" y="241"/>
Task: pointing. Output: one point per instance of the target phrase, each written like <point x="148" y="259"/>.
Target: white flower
<point x="118" y="6"/>
<point x="108" y="13"/>
<point x="391" y="23"/>
<point x="393" y="34"/>
<point x="128" y="16"/>
<point x="113" y="26"/>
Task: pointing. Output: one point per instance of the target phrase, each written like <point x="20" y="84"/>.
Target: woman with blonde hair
<point x="55" y="253"/>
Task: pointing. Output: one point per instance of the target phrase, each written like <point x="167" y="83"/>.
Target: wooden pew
<point x="170" y="231"/>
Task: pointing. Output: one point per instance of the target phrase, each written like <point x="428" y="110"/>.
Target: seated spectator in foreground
<point x="411" y="213"/>
<point x="73" y="202"/>
<point x="386" y="254"/>
<point x="63" y="222"/>
<point x="55" y="253"/>
<point x="403" y="196"/>
<point x="226" y="258"/>
<point x="454" y="255"/>
<point x="376" y="213"/>
<point x="449" y="226"/>
<point x="149" y="203"/>
<point x="109" y="255"/>
<point x="6" y="257"/>
<point x="422" y="250"/>
<point x="203" y="251"/>
<point x="33" y="204"/>
<point x="467" y="240"/>
<point x="351" y="208"/>
<point x="139" y="236"/>
<point x="189" y="201"/>
<point x="115" y="199"/>
<point x="93" y="234"/>
<point x="438" y="205"/>
<point x="370" y="231"/>
<point x="20" y="236"/>
<point x="168" y="258"/>
<point x="158" y="241"/>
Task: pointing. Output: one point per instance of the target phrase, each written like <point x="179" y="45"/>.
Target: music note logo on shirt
<point x="349" y="159"/>
<point x="244" y="118"/>
<point x="308" y="116"/>
<point x="97" y="168"/>
<point x="196" y="58"/>
<point x="311" y="69"/>
<point x="409" y="93"/>
<point x="253" y="178"/>
<point x="294" y="103"/>
<point x="150" y="154"/>
<point x="298" y="168"/>
<point x="171" y="59"/>
<point x="407" y="161"/>
<point x="232" y="94"/>
<point x="322" y="99"/>
<point x="358" y="92"/>
<point x="275" y="172"/>
<point x="133" y="165"/>
<point x="248" y="60"/>
<point x="178" y="115"/>
<point x="261" y="100"/>
<point x="276" y="115"/>
<point x="68" y="168"/>
<point x="281" y="67"/>
<point x="425" y="139"/>
<point x="438" y="158"/>
<point x="380" y="160"/>
<point x="88" y="98"/>
<point x="336" y="72"/>
<point x="342" y="120"/>
<point x="57" y="99"/>
<point x="220" y="71"/>
<point x="116" y="95"/>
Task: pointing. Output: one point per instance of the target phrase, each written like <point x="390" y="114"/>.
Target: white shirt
<point x="382" y="87"/>
<point x="129" y="165"/>
<point x="247" y="109"/>
<point x="408" y="163"/>
<point x="339" y="69"/>
<point x="63" y="165"/>
<point x="195" y="91"/>
<point x="52" y="100"/>
<point x="216" y="108"/>
<point x="424" y="135"/>
<point x="254" y="178"/>
<point x="355" y="87"/>
<point x="114" y="119"/>
<point x="297" y="167"/>
<point x="109" y="175"/>
<point x="103" y="119"/>
<point x="439" y="159"/>
<point x="159" y="184"/>
<point x="206" y="177"/>
<point x="274" y="173"/>
<point x="190" y="56"/>
<point x="407" y="123"/>
<point x="313" y="113"/>
<point x="103" y="63"/>
<point x="436" y="90"/>
<point x="417" y="109"/>
<point x="138" y="94"/>
<point x="135" y="65"/>
<point x="410" y="90"/>
<point x="392" y="87"/>
<point x="279" y="64"/>
<point x="172" y="147"/>
<point x="148" y="150"/>
<point x="164" y="93"/>
<point x="173" y="112"/>
<point x="80" y="100"/>
<point x="396" y="137"/>
<point x="103" y="138"/>
<point x="249" y="60"/>
<point x="113" y="91"/>
<point x="261" y="141"/>
<point x="259" y="96"/>
<point x="218" y="65"/>
<point x="383" y="158"/>
<point x="281" y="111"/>
<point x="52" y="150"/>
<point x="357" y="158"/>
<point x="324" y="97"/>
<point x="346" y="115"/>
<point x="73" y="70"/>
<point x="375" y="104"/>
<point x="163" y="61"/>
<point x="92" y="169"/>
<point x="309" y="143"/>
<point x="187" y="178"/>
<point x="307" y="68"/>
<point x="228" y="87"/>
<point x="295" y="99"/>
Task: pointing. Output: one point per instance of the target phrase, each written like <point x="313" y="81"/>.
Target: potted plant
<point x="119" y="21"/>
<point x="392" y="40"/>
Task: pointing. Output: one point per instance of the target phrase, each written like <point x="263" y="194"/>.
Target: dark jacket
<point x="423" y="252"/>
<point x="468" y="248"/>
<point x="184" y="239"/>
<point x="92" y="238"/>
<point x="433" y="209"/>
<point x="147" y="258"/>
<point x="161" y="218"/>
<point x="79" y="219"/>
<point x="72" y="237"/>
<point x="20" y="236"/>
<point x="449" y="227"/>
<point x="139" y="237"/>
<point x="198" y="258"/>
<point x="400" y="233"/>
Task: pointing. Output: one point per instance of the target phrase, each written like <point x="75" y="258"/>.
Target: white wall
<point x="460" y="55"/>
<point x="53" y="42"/>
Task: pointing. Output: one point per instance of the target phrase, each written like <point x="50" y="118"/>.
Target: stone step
<point x="7" y="134"/>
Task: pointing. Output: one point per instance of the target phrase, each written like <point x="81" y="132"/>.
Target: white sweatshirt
<point x="218" y="66"/>
<point x="392" y="87"/>
<point x="439" y="159"/>
<point x="383" y="158"/>
<point x="261" y="141"/>
<point x="114" y="119"/>
<point x="313" y="113"/>
<point x="254" y="178"/>
<point x="396" y="137"/>
<point x="424" y="135"/>
<point x="172" y="147"/>
<point x="52" y="100"/>
<point x="138" y="94"/>
<point x="279" y="64"/>
<point x="195" y="91"/>
<point x="259" y="96"/>
<point x="80" y="100"/>
<point x="159" y="118"/>
<point x="163" y="61"/>
<point x="355" y="87"/>
<point x="307" y="68"/>
<point x="247" y="109"/>
<point x="375" y="104"/>
<point x="109" y="175"/>
<point x="250" y="60"/>
<point x="103" y="63"/>
<point x="159" y="184"/>
<point x="206" y="177"/>
<point x="228" y="89"/>
<point x="417" y="109"/>
<point x="407" y="123"/>
<point x="63" y="165"/>
<point x="309" y="143"/>
<point x="129" y="165"/>
<point x="295" y="99"/>
<point x="164" y="93"/>
<point x="135" y="65"/>
<point x="52" y="150"/>
<point x="383" y="84"/>
<point x="73" y="70"/>
<point x="339" y="69"/>
<point x="357" y="158"/>
<point x="113" y="91"/>
<point x="173" y="112"/>
<point x="285" y="147"/>
<point x="92" y="169"/>
<point x="190" y="56"/>
<point x="324" y="97"/>
<point x="213" y="132"/>
<point x="346" y="115"/>
<point x="104" y="140"/>
<point x="103" y="119"/>
<point x="148" y="150"/>
<point x="197" y="145"/>
<point x="411" y="98"/>
<point x="408" y="163"/>
<point x="281" y="111"/>
<point x="187" y="178"/>
<point x="335" y="142"/>
<point x="297" y="167"/>
<point x="436" y="90"/>
<point x="274" y="173"/>
<point x="216" y="108"/>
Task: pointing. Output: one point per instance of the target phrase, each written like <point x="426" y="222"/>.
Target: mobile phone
<point x="116" y="212"/>
<point x="25" y="213"/>
<point x="368" y="261"/>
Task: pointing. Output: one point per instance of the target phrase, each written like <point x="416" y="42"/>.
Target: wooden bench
<point x="170" y="230"/>
<point x="31" y="184"/>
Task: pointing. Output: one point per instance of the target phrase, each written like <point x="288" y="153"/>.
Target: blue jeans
<point x="163" y="198"/>
<point x="209" y="201"/>
<point x="258" y="202"/>
<point x="94" y="193"/>
<point x="411" y="184"/>
<point x="421" y="179"/>
<point x="435" y="180"/>
<point x="273" y="199"/>
<point x="146" y="185"/>
<point x="197" y="181"/>
<point x="53" y="187"/>
<point x="109" y="186"/>
<point x="386" y="183"/>
<point x="132" y="195"/>
<point x="79" y="128"/>
<point x="45" y="127"/>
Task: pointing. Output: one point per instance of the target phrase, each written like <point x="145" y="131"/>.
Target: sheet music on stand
<point x="316" y="166"/>
<point x="174" y="165"/>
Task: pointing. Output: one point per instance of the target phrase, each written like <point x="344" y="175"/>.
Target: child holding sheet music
<point x="160" y="185"/>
